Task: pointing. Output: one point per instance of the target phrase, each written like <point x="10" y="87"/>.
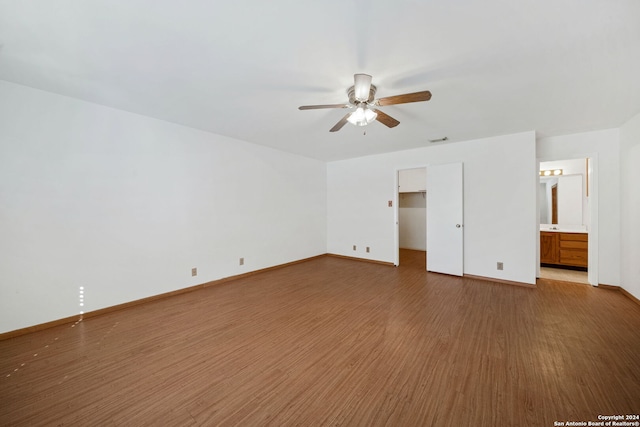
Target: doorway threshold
<point x="564" y="275"/>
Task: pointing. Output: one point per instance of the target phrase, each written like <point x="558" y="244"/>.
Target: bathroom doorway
<point x="567" y="223"/>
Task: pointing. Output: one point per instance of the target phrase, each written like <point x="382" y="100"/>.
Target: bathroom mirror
<point x="561" y="200"/>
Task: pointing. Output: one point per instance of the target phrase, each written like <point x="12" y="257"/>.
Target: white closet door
<point x="444" y="219"/>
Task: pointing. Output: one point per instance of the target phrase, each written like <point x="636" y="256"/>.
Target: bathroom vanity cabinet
<point x="564" y="249"/>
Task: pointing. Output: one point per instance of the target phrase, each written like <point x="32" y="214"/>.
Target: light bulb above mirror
<point x="551" y="172"/>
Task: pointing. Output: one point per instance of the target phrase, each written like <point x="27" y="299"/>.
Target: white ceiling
<point x="241" y="68"/>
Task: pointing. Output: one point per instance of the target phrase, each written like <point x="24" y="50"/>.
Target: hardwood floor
<point x="336" y="342"/>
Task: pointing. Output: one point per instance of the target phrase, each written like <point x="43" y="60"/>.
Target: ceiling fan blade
<point x="386" y="119"/>
<point x="361" y="86"/>
<point x="341" y="123"/>
<point x="404" y="99"/>
<point x="316" y="107"/>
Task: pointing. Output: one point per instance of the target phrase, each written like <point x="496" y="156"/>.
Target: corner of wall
<point x="630" y="206"/>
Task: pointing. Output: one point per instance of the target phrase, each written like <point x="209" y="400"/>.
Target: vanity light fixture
<point x="551" y="172"/>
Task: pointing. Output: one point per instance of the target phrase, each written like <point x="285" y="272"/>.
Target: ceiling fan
<point x="362" y="98"/>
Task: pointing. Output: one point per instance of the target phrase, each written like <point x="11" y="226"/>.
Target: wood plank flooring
<point x="335" y="342"/>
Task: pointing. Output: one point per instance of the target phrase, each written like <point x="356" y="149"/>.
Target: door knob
<point x="458" y="226"/>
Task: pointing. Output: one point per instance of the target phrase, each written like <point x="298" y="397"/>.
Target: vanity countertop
<point x="563" y="230"/>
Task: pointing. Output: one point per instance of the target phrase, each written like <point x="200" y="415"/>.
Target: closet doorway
<point x="440" y="212"/>
<point x="412" y="216"/>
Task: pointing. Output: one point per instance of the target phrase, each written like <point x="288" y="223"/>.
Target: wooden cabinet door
<point x="549" y="253"/>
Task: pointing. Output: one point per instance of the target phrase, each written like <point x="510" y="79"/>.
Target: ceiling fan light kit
<point x="362" y="98"/>
<point x="362" y="116"/>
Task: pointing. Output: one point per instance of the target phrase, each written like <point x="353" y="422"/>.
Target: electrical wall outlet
<point x="368" y="250"/>
<point x="194" y="271"/>
<point x="500" y="266"/>
<point x="354" y="247"/>
<point x="241" y="261"/>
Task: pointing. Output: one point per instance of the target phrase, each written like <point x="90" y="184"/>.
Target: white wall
<point x="412" y="219"/>
<point x="412" y="180"/>
<point x="126" y="205"/>
<point x="499" y="214"/>
<point x="630" y="205"/>
<point x="602" y="145"/>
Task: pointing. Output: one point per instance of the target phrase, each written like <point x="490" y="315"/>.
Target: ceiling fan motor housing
<point x="352" y="95"/>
